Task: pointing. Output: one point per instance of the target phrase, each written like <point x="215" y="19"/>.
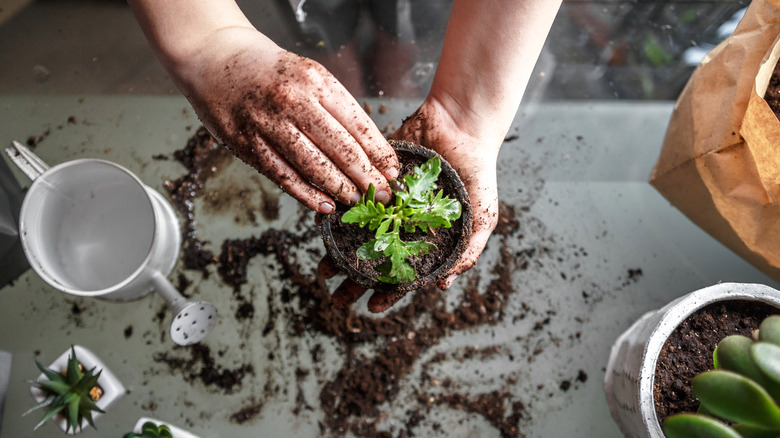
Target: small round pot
<point x="630" y="375"/>
<point x="331" y="226"/>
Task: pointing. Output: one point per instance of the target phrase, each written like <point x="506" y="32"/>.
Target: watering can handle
<point x="25" y="160"/>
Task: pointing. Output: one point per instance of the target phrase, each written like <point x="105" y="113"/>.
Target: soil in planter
<point x="688" y="351"/>
<point x="349" y="237"/>
<point x="772" y="95"/>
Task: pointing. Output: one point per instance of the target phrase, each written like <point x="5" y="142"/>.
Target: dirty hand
<point x="472" y="152"/>
<point x="471" y="147"/>
<point x="289" y="118"/>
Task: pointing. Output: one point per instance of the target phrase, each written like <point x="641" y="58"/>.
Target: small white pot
<point x="630" y="375"/>
<point x="112" y="387"/>
<point x="175" y="431"/>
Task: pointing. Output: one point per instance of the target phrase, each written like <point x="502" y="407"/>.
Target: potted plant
<point x="743" y="389"/>
<point x="75" y="389"/>
<point x="152" y="428"/>
<point x="414" y="239"/>
<point x="630" y="378"/>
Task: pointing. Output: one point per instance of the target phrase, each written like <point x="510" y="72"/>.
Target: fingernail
<point x="451" y="279"/>
<point x="382" y="196"/>
<point x="326" y="208"/>
<point x="392" y="173"/>
<point x="355" y="198"/>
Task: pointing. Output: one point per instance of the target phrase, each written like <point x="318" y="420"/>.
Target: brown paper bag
<point x="720" y="162"/>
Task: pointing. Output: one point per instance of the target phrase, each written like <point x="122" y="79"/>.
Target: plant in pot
<point x="152" y="428"/>
<point x="414" y="239"/>
<point x="641" y="382"/>
<point x="739" y="398"/>
<point x="74" y="390"/>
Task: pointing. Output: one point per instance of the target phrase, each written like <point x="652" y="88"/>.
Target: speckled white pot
<point x="112" y="387"/>
<point x="628" y="382"/>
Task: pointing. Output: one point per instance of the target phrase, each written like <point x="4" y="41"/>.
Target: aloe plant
<point x="740" y="397"/>
<point x="151" y="430"/>
<point x="68" y="393"/>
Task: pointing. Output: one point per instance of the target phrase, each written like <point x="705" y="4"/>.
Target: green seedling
<point x="68" y="394"/>
<point x="151" y="430"/>
<point x="416" y="204"/>
<point x="740" y="397"/>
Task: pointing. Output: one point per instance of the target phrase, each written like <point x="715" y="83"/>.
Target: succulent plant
<point x="151" y="430"/>
<point x="740" y="397"/>
<point x="68" y="393"/>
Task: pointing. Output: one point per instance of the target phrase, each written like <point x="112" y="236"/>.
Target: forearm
<point x="179" y="30"/>
<point x="489" y="53"/>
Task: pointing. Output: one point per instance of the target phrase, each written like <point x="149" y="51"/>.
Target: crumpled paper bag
<point x="12" y="259"/>
<point x="720" y="162"/>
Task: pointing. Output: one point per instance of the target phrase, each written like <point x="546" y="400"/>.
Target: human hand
<point x="288" y="117"/>
<point x="474" y="158"/>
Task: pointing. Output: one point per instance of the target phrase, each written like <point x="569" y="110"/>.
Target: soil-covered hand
<point x="470" y="145"/>
<point x="289" y="118"/>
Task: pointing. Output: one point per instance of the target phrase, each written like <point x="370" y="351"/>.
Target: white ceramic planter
<point x="628" y="382"/>
<point x="175" y="431"/>
<point x="112" y="387"/>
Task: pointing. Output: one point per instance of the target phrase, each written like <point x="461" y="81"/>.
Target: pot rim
<point x="466" y="220"/>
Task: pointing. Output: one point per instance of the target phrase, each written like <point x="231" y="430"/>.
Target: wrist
<point x="484" y="126"/>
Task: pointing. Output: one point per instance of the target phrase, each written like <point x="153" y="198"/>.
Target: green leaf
<point x="767" y="358"/>
<point x="53" y="386"/>
<point x="696" y="426"/>
<point x="359" y="214"/>
<point x="734" y="354"/>
<point x="367" y="251"/>
<point x="73" y="371"/>
<point x="50" y="374"/>
<point x="73" y="414"/>
<point x="746" y="431"/>
<point x="419" y="248"/>
<point x="736" y="398"/>
<point x="422" y="180"/>
<point x="54" y="410"/>
<point x="769" y="330"/>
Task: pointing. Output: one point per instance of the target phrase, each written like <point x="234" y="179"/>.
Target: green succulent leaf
<point x="746" y="431"/>
<point x="734" y="354"/>
<point x="151" y="430"/>
<point x="73" y="371"/>
<point x="767" y="358"/>
<point x="769" y="330"/>
<point x="53" y="386"/>
<point x="696" y="426"/>
<point x="736" y="398"/>
<point x="50" y="374"/>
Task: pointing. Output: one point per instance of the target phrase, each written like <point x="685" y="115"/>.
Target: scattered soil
<point x="688" y="351"/>
<point x="201" y="366"/>
<point x="379" y="353"/>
